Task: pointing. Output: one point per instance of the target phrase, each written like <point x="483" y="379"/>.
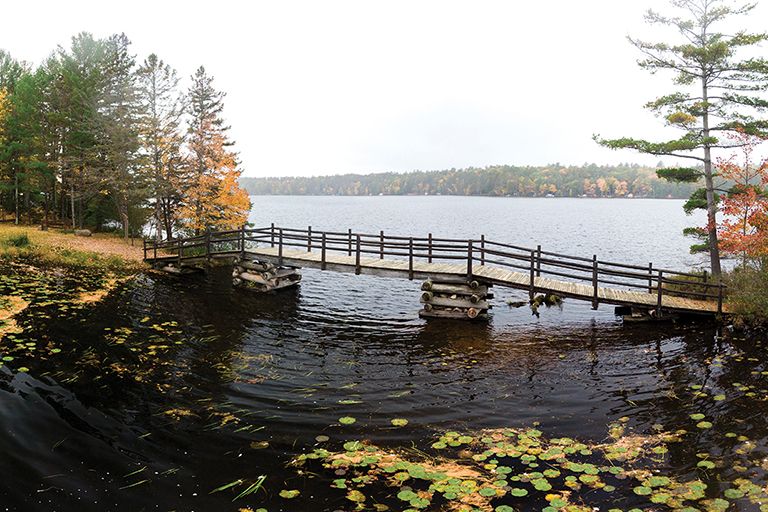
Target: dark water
<point x="168" y="388"/>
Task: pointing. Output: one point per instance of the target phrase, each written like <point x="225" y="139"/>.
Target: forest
<point x="590" y="180"/>
<point x="92" y="138"/>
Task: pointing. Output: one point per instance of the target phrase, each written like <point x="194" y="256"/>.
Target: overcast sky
<point x="325" y="87"/>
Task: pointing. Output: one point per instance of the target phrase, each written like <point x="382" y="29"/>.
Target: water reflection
<point x="169" y="388"/>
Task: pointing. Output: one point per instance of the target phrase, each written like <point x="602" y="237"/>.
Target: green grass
<point x="19" y="247"/>
<point x="20" y="240"/>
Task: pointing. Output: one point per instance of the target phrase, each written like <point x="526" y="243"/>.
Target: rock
<point x="82" y="232"/>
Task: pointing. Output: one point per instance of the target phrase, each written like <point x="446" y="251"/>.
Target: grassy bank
<point x="55" y="248"/>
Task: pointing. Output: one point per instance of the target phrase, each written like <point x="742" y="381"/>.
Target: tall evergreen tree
<point x="213" y="199"/>
<point x="78" y="88"/>
<point x="162" y="107"/>
<point x="117" y="131"/>
<point x="716" y="92"/>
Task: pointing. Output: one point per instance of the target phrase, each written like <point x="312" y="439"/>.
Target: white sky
<point x="325" y="87"/>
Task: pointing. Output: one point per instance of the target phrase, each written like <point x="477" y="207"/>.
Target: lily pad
<point x="347" y="420"/>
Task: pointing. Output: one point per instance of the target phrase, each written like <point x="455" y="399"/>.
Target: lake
<point x="172" y="388"/>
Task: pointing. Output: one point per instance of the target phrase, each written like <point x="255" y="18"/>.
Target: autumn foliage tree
<point x="743" y="230"/>
<point x="212" y="197"/>
<point x="717" y="89"/>
<point x="91" y="139"/>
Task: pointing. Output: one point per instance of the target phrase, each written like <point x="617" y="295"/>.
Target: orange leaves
<point x="212" y="197"/>
<point x="744" y="228"/>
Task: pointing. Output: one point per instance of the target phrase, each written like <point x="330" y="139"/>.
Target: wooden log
<point x="283" y="272"/>
<point x="456" y="303"/>
<point x="457" y="289"/>
<point x="255" y="265"/>
<point x="180" y="271"/>
<point x="257" y="278"/>
<point x="451" y="314"/>
<point x="258" y="287"/>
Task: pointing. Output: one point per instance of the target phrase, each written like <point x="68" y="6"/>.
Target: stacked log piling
<point x="262" y="276"/>
<point x="464" y="300"/>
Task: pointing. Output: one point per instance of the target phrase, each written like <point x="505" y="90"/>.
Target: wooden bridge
<point x="655" y="291"/>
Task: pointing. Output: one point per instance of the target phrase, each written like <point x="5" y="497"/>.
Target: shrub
<point x="748" y="295"/>
<point x="20" y="240"/>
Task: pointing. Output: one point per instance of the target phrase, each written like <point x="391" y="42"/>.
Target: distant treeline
<point x="628" y="180"/>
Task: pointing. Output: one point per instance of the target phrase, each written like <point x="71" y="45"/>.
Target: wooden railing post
<point x="242" y="241"/>
<point x="154" y="248"/>
<point x="309" y="239"/>
<point x="322" y="253"/>
<point x="532" y="280"/>
<point x="272" y="235"/>
<point x="538" y="261"/>
<point x="357" y="255"/>
<point x="179" y="245"/>
<point x="145" y="248"/>
<point x="659" y="293"/>
<point x="429" y="248"/>
<point x="280" y="248"/>
<point x="381" y="244"/>
<point x="349" y="251"/>
<point x="720" y="298"/>
<point x="482" y="250"/>
<point x="595" y="299"/>
<point x="650" y="277"/>
<point x="410" y="259"/>
<point x="208" y="243"/>
<point x="469" y="259"/>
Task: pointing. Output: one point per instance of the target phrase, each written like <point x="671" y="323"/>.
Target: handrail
<point x="536" y="262"/>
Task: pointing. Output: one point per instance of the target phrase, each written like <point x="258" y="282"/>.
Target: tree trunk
<point x="714" y="249"/>
<point x="16" y="194"/>
<point x="72" y="198"/>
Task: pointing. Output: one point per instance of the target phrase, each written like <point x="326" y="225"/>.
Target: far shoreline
<point x="464" y="195"/>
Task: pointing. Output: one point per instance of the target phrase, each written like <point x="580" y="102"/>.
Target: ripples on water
<point x="91" y="430"/>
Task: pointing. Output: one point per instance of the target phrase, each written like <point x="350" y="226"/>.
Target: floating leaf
<point x="347" y="420"/>
<point x="289" y="494"/>
<point x="356" y="496"/>
<point x="399" y="422"/>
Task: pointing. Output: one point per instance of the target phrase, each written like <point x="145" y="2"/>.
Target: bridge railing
<point x="534" y="262"/>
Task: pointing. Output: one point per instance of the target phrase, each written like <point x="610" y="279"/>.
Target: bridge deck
<point x="497" y="275"/>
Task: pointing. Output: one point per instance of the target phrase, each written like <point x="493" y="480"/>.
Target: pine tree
<point x="717" y="93"/>
<point x="77" y="90"/>
<point x="162" y="107"/>
<point x="117" y="132"/>
<point x="212" y="198"/>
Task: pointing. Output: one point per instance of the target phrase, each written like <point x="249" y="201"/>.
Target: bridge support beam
<point x="458" y="299"/>
<point x="262" y="276"/>
<point x="635" y="314"/>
